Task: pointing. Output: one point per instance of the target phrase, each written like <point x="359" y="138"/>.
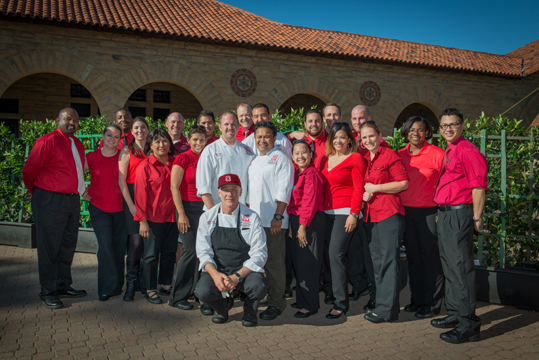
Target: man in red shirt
<point x="245" y="116"/>
<point x="313" y="123"/>
<point x="125" y="122"/>
<point x="332" y="114"/>
<point x="175" y="125"/>
<point x="53" y="174"/>
<point x="460" y="195"/>
<point x="207" y="119"/>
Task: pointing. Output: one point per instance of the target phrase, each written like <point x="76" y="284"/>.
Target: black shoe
<point x="457" y="336"/>
<point x="425" y="312"/>
<point x="375" y="318"/>
<point x="72" y="293"/>
<point x="52" y="302"/>
<point x="270" y="313"/>
<point x="370" y="306"/>
<point x="206" y="309"/>
<point x="184" y="305"/>
<point x="223" y="318"/>
<point x="249" y="320"/>
<point x="332" y="316"/>
<point x="153" y="299"/>
<point x="302" y="315"/>
<point x="129" y="292"/>
<point x="355" y="295"/>
<point x="165" y="292"/>
<point x="103" y="297"/>
<point x="447" y="322"/>
<point x="294" y="305"/>
<point x="288" y="293"/>
<point x="412" y="308"/>
<point x="329" y="299"/>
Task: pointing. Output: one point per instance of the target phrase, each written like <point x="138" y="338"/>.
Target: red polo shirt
<point x="51" y="165"/>
<point x="242" y="133"/>
<point x="463" y="168"/>
<point x="308" y="195"/>
<point x="125" y="140"/>
<point x="345" y="185"/>
<point x="134" y="162"/>
<point x="181" y="146"/>
<point x="188" y="161"/>
<point x="153" y="197"/>
<point x="423" y="171"/>
<point x="362" y="151"/>
<point x="212" y="139"/>
<point x="104" y="188"/>
<point x="386" y="167"/>
<point x="319" y="147"/>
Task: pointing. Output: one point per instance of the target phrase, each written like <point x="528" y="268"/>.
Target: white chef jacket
<point x="280" y="140"/>
<point x="271" y="178"/>
<point x="251" y="230"/>
<point x="218" y="159"/>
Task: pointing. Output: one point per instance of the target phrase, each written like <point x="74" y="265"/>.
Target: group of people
<point x="216" y="218"/>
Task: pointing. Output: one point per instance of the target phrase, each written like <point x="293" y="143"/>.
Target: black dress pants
<point x="455" y="238"/>
<point x="338" y="241"/>
<point x="355" y="260"/>
<point x="308" y="261"/>
<point x="111" y="231"/>
<point x="56" y="218"/>
<point x="187" y="274"/>
<point x="424" y="265"/>
<point x="163" y="238"/>
<point x="384" y="238"/>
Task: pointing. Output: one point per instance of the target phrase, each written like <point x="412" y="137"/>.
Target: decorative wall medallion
<point x="243" y="82"/>
<point x="370" y="93"/>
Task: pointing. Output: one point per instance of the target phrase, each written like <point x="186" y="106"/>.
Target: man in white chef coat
<point x="271" y="177"/>
<point x="224" y="156"/>
<point x="261" y="113"/>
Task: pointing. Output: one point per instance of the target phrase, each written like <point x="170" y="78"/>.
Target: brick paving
<point x="87" y="328"/>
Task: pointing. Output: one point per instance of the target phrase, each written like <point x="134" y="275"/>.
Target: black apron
<point x="230" y="250"/>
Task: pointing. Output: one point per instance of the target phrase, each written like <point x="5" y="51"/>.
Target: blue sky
<point x="493" y="26"/>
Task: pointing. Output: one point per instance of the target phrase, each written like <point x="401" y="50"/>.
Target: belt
<point x="454" y="207"/>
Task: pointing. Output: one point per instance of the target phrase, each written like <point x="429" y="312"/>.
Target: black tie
<point x="125" y="140"/>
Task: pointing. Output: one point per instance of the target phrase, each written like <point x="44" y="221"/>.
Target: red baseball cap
<point x="229" y="179"/>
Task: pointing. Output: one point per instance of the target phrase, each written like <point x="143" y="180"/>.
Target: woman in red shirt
<point x="155" y="213"/>
<point x="423" y="162"/>
<point x="344" y="169"/>
<point x="307" y="224"/>
<point x="189" y="209"/>
<point x="130" y="158"/>
<point x="106" y="212"/>
<point x="384" y="222"/>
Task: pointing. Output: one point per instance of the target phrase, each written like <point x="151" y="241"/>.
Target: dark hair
<point x="196" y="129"/>
<point x="451" y="111"/>
<point x="331" y="104"/>
<point x="205" y="113"/>
<point x="265" y="124"/>
<point x="133" y="147"/>
<point x="123" y="109"/>
<point x="351" y="139"/>
<point x="154" y="135"/>
<point x="260" y="105"/>
<point x="113" y="126"/>
<point x="411" y="121"/>
<point x="304" y="142"/>
<point x="313" y="111"/>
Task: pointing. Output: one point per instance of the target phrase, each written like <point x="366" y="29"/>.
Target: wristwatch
<point x="476" y="220"/>
<point x="240" y="278"/>
<point x="354" y="215"/>
<point x="278" y="217"/>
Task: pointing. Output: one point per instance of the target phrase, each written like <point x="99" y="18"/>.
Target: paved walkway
<point x="117" y="330"/>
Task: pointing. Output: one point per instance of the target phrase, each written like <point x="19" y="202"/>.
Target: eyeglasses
<point x="372" y="122"/>
<point x="453" y="126"/>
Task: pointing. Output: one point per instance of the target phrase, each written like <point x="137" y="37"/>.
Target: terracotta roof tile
<point x="530" y="54"/>
<point x="214" y="21"/>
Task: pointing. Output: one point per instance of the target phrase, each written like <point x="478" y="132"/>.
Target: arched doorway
<point x="417" y="109"/>
<point x="40" y="97"/>
<point x="159" y="99"/>
<point x="298" y="101"/>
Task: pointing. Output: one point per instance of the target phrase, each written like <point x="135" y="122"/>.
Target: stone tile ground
<point x="87" y="328"/>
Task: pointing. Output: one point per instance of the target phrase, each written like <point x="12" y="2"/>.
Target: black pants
<point x="163" y="238"/>
<point x="455" y="238"/>
<point x="255" y="287"/>
<point x="187" y="273"/>
<point x="288" y="260"/>
<point x="56" y="218"/>
<point x="338" y="241"/>
<point x="355" y="260"/>
<point x="424" y="265"/>
<point x="111" y="231"/>
<point x="384" y="238"/>
<point x="275" y="268"/>
<point x="308" y="261"/>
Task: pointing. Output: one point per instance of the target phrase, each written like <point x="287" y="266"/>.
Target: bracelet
<point x="179" y="208"/>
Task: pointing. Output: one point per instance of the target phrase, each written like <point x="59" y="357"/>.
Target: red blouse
<point x="134" y="162"/>
<point x="188" y="161"/>
<point x="308" y="195"/>
<point x="104" y="188"/>
<point x="423" y="171"/>
<point x="153" y="197"/>
<point x="345" y="185"/>
<point x="386" y="167"/>
<point x="319" y="147"/>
